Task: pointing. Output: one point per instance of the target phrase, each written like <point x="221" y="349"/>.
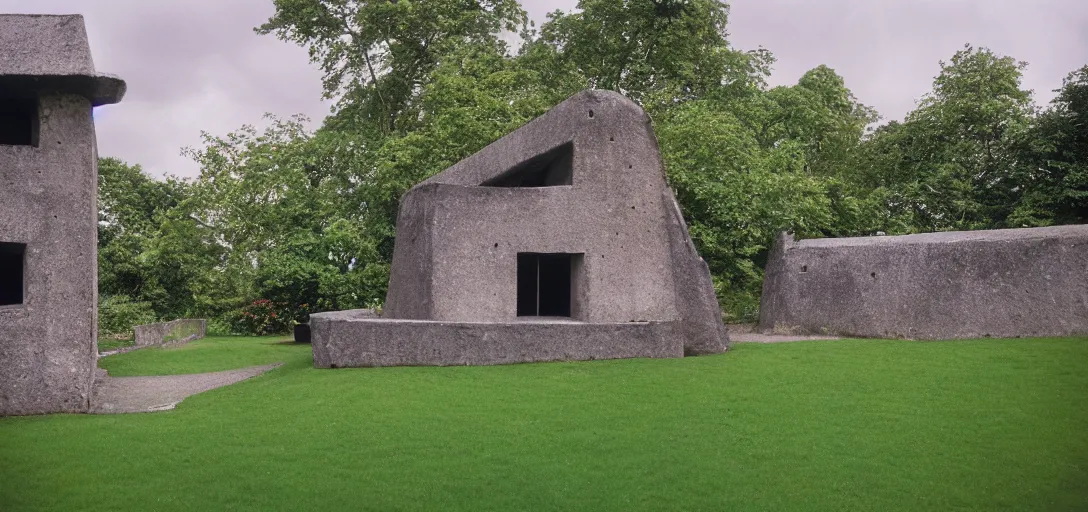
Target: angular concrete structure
<point x="999" y="283"/>
<point x="560" y="241"/>
<point x="48" y="213"/>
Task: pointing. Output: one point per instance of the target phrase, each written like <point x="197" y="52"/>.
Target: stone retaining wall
<point x="164" y="333"/>
<point x="1000" y="283"/>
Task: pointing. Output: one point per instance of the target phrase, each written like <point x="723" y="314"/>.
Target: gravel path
<point x="116" y="395"/>
<point x="750" y="333"/>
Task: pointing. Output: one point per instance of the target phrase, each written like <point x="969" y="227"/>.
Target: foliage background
<point x="289" y="221"/>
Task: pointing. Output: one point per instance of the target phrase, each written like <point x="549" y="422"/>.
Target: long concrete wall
<point x="1000" y="283"/>
<point x="174" y="332"/>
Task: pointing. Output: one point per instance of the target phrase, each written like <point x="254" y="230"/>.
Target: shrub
<point x="223" y="325"/>
<point x="117" y="314"/>
<point x="263" y="316"/>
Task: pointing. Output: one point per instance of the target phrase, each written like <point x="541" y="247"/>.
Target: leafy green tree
<point x="959" y="147"/>
<point x="130" y="201"/>
<point x="117" y="314"/>
<point x="283" y="215"/>
<point x="737" y="195"/>
<point x="674" y="48"/>
<point x="820" y="118"/>
<point x="132" y="207"/>
<point x="1054" y="174"/>
<point x="180" y="266"/>
<point x="376" y="54"/>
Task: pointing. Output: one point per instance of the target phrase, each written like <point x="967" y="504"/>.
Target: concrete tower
<point x="48" y="213"/>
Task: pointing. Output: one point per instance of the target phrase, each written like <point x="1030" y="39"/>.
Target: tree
<point x="131" y="208"/>
<point x="737" y="195"/>
<point x="676" y="48"/>
<point x="959" y="147"/>
<point x="283" y="206"/>
<point x="1054" y="174"/>
<point x="376" y="54"/>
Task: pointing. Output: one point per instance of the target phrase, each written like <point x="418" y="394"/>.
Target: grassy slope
<point x="107" y="344"/>
<point x="845" y="425"/>
<point x="210" y="354"/>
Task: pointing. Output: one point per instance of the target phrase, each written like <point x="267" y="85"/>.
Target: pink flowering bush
<point x="263" y="316"/>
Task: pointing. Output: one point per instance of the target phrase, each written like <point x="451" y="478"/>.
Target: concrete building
<point x="48" y="213"/>
<point x="560" y="241"/>
<point x="1000" y="283"/>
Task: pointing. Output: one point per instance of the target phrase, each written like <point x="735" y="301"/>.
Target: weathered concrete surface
<point x="169" y="333"/>
<point x="1000" y="283"/>
<point x="50" y="53"/>
<point x="115" y="395"/>
<point x="459" y="235"/>
<point x="700" y="315"/>
<point x="48" y="201"/>
<point x="343" y="340"/>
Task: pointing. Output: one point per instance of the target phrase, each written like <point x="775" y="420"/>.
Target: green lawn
<point x="108" y="344"/>
<point x="830" y="425"/>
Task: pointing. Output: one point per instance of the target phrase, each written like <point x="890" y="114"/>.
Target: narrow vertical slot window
<point x="12" y="273"/>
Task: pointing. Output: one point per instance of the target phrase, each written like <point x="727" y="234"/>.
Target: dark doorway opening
<point x="12" y="258"/>
<point x="19" y="121"/>
<point x="545" y="282"/>
<point x="550" y="169"/>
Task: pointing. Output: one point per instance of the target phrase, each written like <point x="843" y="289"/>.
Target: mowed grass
<point x="212" y="354"/>
<point x="829" y="425"/>
<point x="108" y="344"/>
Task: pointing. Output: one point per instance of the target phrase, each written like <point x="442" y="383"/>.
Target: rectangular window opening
<point x="19" y="121"/>
<point x="546" y="284"/>
<point x="550" y="169"/>
<point x="12" y="261"/>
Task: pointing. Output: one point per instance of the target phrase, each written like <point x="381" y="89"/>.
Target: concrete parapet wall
<point x="174" y="332"/>
<point x="999" y="283"/>
<point x="349" y="339"/>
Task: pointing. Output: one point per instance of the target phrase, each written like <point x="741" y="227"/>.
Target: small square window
<point x="19" y="121"/>
<point x="12" y="262"/>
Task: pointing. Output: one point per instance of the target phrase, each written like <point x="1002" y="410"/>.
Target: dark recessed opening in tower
<point x="19" y="121"/>
<point x="550" y="169"/>
<point x="12" y="260"/>
<point x="545" y="284"/>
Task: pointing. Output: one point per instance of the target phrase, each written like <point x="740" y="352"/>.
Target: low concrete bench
<point x="359" y="338"/>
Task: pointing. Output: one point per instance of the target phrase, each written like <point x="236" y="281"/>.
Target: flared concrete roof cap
<point x="50" y="53"/>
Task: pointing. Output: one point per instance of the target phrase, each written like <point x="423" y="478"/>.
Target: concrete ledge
<point x="100" y="88"/>
<point x="997" y="283"/>
<point x="174" y="332"/>
<point x="351" y="339"/>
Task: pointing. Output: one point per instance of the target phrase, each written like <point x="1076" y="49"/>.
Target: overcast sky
<point x="195" y="65"/>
